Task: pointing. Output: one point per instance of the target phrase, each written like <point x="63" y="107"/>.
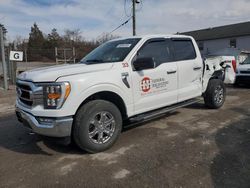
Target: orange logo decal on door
<point x="146" y="84"/>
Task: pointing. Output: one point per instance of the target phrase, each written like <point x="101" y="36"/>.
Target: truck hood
<point x="52" y="73"/>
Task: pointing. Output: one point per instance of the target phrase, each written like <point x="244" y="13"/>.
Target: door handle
<point x="197" y="68"/>
<point x="171" y="72"/>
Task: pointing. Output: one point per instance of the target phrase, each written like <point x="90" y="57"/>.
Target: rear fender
<point x="219" y="74"/>
<point x="212" y="71"/>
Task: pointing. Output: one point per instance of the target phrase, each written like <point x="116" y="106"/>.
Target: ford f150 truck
<point x="133" y="79"/>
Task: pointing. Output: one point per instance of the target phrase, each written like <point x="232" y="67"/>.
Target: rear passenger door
<point x="157" y="87"/>
<point x="190" y="68"/>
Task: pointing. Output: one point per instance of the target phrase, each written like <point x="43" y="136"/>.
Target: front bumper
<point x="58" y="127"/>
<point x="243" y="79"/>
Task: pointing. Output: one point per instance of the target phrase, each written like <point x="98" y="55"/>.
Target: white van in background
<point x="243" y="72"/>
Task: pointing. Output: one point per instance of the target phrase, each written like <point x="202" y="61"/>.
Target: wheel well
<point x="217" y="75"/>
<point x="111" y="97"/>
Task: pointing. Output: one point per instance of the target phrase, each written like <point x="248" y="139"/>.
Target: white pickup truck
<point x="133" y="78"/>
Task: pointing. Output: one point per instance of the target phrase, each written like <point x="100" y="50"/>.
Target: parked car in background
<point x="243" y="72"/>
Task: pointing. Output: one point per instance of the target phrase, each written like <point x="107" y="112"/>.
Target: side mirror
<point x="144" y="63"/>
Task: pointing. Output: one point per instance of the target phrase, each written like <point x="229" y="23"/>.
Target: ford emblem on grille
<point x="19" y="92"/>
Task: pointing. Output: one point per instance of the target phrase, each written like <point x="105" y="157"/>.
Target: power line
<point x="124" y="23"/>
<point x="131" y="16"/>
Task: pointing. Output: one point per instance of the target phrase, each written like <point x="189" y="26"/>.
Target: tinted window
<point x="184" y="50"/>
<point x="159" y="50"/>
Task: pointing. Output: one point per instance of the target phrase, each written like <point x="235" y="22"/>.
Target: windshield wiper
<point x="95" y="60"/>
<point x="92" y="61"/>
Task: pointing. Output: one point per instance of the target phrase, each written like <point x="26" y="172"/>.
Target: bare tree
<point x="104" y="37"/>
<point x="19" y="40"/>
<point x="73" y="36"/>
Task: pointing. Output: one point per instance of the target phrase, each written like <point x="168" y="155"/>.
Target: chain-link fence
<point x="58" y="55"/>
<point x="40" y="54"/>
<point x="34" y="57"/>
<point x="65" y="55"/>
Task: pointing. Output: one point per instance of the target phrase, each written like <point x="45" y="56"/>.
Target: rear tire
<point x="215" y="94"/>
<point x="97" y="126"/>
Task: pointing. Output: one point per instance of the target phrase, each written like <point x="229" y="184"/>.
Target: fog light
<point x="47" y="121"/>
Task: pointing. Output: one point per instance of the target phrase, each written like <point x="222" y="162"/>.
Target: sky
<point x="94" y="17"/>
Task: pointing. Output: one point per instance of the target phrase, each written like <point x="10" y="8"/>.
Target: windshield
<point x="112" y="51"/>
<point x="246" y="61"/>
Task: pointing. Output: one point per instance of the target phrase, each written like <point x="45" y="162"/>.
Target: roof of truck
<point x="155" y="36"/>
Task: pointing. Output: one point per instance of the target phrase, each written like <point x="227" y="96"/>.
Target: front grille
<point x="24" y="93"/>
<point x="28" y="93"/>
<point x="245" y="72"/>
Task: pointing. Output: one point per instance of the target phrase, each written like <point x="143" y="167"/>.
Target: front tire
<point x="97" y="126"/>
<point x="215" y="94"/>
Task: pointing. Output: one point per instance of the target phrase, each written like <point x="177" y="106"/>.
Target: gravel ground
<point x="192" y="147"/>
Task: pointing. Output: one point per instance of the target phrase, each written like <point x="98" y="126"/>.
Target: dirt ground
<point x="192" y="147"/>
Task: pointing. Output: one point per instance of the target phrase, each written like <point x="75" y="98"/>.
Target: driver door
<point x="156" y="87"/>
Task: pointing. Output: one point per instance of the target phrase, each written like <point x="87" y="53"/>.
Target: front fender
<point x="77" y="100"/>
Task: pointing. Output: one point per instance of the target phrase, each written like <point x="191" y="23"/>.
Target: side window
<point x="158" y="50"/>
<point x="183" y="50"/>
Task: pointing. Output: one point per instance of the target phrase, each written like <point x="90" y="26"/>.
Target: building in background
<point x="212" y="40"/>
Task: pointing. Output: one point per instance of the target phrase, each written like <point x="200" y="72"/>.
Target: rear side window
<point x="183" y="50"/>
<point x="159" y="50"/>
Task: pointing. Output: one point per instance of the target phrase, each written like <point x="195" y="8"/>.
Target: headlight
<point x="55" y="94"/>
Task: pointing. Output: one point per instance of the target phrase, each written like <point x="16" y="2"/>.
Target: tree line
<point x="41" y="46"/>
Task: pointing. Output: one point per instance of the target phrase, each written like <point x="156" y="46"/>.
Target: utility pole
<point x="134" y="2"/>
<point x="133" y="17"/>
<point x="56" y="54"/>
<point x="5" y="77"/>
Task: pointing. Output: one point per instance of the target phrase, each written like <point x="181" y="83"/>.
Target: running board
<point x="161" y="111"/>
